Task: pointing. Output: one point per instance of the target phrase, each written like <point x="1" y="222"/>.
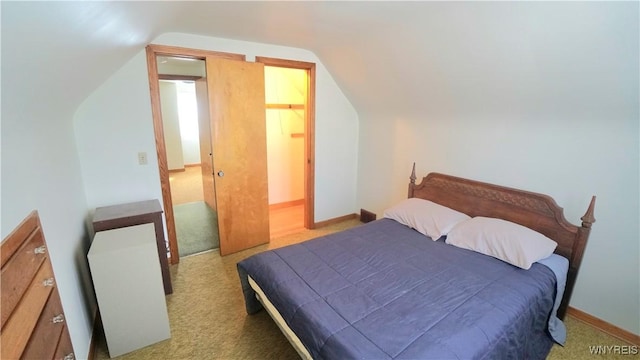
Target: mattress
<point x="275" y="315"/>
<point x="385" y="291"/>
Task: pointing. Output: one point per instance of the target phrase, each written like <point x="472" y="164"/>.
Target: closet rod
<point x="285" y="106"/>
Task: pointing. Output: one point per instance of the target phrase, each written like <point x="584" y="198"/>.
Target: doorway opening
<point x="290" y="104"/>
<point x="285" y="94"/>
<point x="208" y="177"/>
<point x="195" y="220"/>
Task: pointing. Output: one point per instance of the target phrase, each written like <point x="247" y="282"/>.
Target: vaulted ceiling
<point x="393" y="57"/>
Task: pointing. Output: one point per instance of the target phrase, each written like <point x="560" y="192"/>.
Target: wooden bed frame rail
<point x="535" y="211"/>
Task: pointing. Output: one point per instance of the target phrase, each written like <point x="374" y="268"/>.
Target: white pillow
<point x="504" y="240"/>
<point x="427" y="217"/>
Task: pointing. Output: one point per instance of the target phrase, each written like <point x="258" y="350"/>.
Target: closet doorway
<point x="289" y="94"/>
<point x="239" y="230"/>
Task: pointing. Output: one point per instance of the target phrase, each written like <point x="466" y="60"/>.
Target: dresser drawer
<point x="17" y="331"/>
<point x="19" y="271"/>
<point x="45" y="337"/>
<point x="64" y="350"/>
<point x="31" y="328"/>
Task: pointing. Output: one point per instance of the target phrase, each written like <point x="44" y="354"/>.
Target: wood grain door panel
<point x="238" y="128"/>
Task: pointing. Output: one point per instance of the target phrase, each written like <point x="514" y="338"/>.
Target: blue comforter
<point x="385" y="291"/>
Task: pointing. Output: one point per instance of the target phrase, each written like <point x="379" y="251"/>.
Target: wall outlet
<point x="142" y="158"/>
<point x="367" y="216"/>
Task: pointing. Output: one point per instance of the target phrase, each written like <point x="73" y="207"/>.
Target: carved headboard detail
<point x="533" y="210"/>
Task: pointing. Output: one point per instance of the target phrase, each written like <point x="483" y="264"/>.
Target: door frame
<point x="154" y="89"/>
<point x="309" y="131"/>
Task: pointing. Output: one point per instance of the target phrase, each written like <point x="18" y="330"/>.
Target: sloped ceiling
<point x="390" y="57"/>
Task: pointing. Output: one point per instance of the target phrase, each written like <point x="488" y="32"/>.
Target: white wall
<point x="180" y="123"/>
<point x="285" y="154"/>
<point x="552" y="108"/>
<point x="171" y="125"/>
<point x="188" y="117"/>
<point x="41" y="171"/>
<point x="114" y="124"/>
<point x="177" y="66"/>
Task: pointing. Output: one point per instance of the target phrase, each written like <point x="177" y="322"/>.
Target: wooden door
<point x="239" y="142"/>
<point x="204" y="129"/>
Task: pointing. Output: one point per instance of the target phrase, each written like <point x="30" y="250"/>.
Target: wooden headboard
<point x="535" y="211"/>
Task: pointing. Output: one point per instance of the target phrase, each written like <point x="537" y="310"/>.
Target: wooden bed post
<point x="576" y="255"/>
<point x="588" y="217"/>
<point x="412" y="181"/>
<point x="583" y="234"/>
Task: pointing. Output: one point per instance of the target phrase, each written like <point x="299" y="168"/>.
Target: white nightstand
<point x="128" y="283"/>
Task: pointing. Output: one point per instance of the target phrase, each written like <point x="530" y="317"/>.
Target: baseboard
<point x="335" y="220"/>
<point x="367" y="216"/>
<point x="286" y="204"/>
<point x="604" y="326"/>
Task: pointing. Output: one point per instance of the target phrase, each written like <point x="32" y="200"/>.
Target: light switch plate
<point x="142" y="158"/>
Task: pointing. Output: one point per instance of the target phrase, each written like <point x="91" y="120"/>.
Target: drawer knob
<point x="58" y="319"/>
<point x="69" y="357"/>
<point x="48" y="282"/>
<point x="40" y="250"/>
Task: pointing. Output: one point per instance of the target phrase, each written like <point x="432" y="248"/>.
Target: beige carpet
<point x="208" y="319"/>
<point x="186" y="186"/>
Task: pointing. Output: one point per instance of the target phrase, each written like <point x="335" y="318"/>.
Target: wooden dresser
<point x="137" y="213"/>
<point x="33" y="323"/>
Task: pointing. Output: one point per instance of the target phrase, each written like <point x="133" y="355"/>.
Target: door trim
<point x="152" y="67"/>
<point x="309" y="131"/>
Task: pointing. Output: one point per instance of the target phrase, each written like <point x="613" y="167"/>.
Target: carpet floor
<point x="208" y="318"/>
<point x="196" y="228"/>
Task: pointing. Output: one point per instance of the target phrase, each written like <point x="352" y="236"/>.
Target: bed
<point x="387" y="290"/>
